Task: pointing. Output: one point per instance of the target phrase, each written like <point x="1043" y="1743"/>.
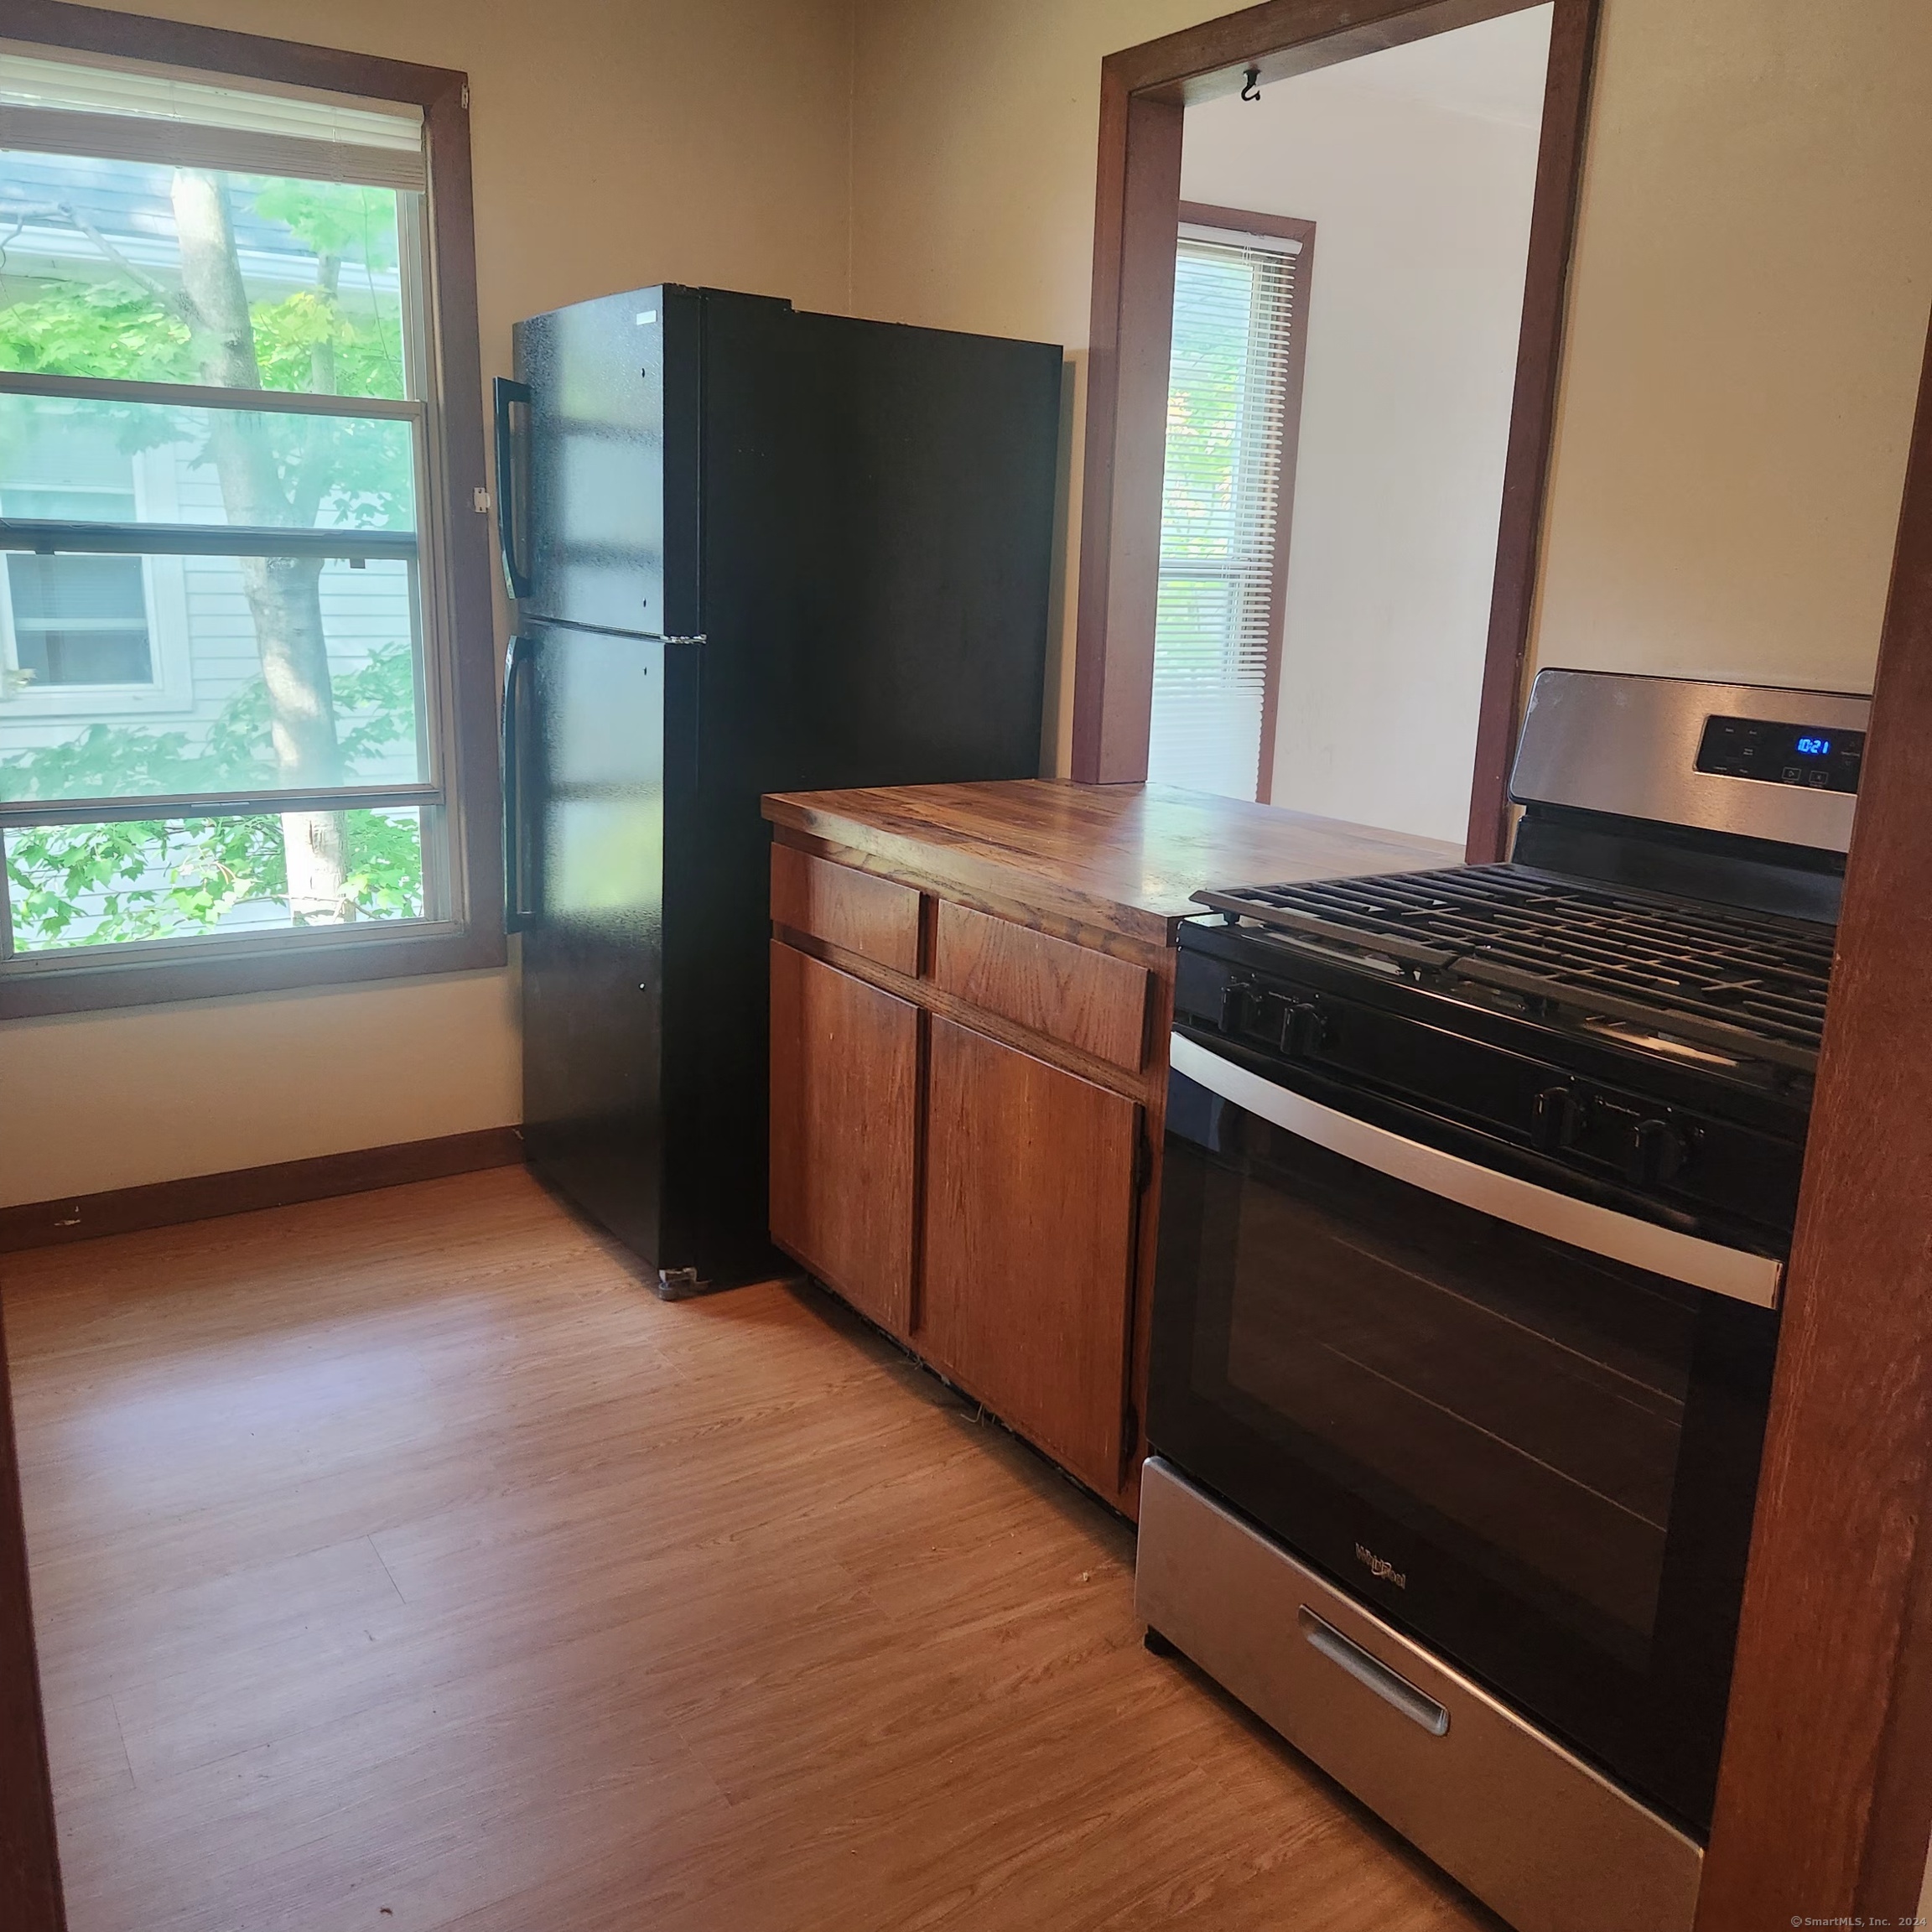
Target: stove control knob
<point x="1304" y="1030"/>
<point x="1656" y="1153"/>
<point x="1234" y="1005"/>
<point x="1555" y="1119"/>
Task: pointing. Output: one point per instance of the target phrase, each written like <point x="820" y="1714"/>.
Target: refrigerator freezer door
<point x="598" y="482"/>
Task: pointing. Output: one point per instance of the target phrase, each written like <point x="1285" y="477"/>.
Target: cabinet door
<point x="845" y="1085"/>
<point x="1030" y="1195"/>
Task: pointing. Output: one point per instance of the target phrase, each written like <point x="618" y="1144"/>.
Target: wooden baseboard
<point x="203" y="1196"/>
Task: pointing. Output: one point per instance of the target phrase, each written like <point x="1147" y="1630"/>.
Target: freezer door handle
<point x="507" y="396"/>
<point x="516" y="916"/>
<point x="693" y="638"/>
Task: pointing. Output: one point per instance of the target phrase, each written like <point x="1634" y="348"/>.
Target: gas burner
<point x="1752" y="983"/>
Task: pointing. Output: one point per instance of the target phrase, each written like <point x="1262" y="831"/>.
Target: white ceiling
<point x="1493" y="70"/>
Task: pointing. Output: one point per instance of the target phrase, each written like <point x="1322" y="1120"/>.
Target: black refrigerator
<point x="752" y="550"/>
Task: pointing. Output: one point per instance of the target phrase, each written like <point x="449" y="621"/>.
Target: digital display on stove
<point x="1776" y="754"/>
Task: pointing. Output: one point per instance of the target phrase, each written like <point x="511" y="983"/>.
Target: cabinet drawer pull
<point x="1366" y="1668"/>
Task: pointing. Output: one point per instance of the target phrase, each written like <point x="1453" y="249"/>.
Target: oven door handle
<point x="1699" y="1263"/>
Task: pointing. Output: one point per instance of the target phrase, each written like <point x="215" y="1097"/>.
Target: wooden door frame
<point x="1144" y="91"/>
<point x="1825" y="1794"/>
<point x="29" y="1857"/>
<point x="1234" y="222"/>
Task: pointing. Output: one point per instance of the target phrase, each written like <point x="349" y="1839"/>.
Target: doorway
<point x="1345" y="700"/>
<point x="1350" y="430"/>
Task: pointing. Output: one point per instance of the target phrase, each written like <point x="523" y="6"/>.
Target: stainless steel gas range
<point x="1479" y="1188"/>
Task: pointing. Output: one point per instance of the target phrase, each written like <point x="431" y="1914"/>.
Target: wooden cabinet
<point x="1029" y="1245"/>
<point x="876" y="918"/>
<point x="844" y="1130"/>
<point x="961" y="1108"/>
<point x="1087" y="999"/>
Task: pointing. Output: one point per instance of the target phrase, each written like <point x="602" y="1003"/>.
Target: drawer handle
<point x="1365" y="1668"/>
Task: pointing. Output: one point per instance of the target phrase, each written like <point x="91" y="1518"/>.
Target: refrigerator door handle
<point x="694" y="637"/>
<point x="516" y="916"/>
<point x="508" y="395"/>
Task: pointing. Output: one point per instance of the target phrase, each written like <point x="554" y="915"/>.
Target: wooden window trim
<point x="474" y="800"/>
<point x="1237" y="222"/>
<point x="1143" y="90"/>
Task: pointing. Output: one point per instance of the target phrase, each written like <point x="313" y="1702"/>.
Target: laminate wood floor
<point x="400" y="1562"/>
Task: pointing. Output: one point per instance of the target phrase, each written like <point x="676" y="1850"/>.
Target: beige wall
<point x="1748" y="317"/>
<point x="1422" y="228"/>
<point x="114" y="1099"/>
<point x="616" y="141"/>
<point x="1752" y="284"/>
<point x="973" y="127"/>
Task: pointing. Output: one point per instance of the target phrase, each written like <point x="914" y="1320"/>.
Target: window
<point x="1234" y="400"/>
<point x="232" y="697"/>
<point x="75" y="620"/>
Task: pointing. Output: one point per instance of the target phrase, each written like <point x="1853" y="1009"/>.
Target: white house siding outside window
<point x="225" y="711"/>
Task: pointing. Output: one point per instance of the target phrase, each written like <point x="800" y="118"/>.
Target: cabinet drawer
<point x="1070" y="993"/>
<point x="876" y="918"/>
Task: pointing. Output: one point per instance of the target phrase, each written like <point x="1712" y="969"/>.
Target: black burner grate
<point x="1751" y="982"/>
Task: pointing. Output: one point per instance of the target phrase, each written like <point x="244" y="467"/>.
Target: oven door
<point x="1524" y="1427"/>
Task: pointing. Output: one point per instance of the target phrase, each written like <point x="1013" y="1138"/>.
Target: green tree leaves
<point x="151" y="879"/>
<point x="96" y="885"/>
<point x="93" y="329"/>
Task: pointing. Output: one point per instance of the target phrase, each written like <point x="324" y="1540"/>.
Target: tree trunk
<point x="283" y="594"/>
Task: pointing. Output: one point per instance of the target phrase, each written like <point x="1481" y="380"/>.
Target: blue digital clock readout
<point x="1819" y="757"/>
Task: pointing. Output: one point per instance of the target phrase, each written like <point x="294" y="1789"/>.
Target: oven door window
<point x="1523" y="1399"/>
<point x="1541" y="1461"/>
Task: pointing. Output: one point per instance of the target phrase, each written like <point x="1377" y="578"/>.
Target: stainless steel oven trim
<point x="1685" y="1258"/>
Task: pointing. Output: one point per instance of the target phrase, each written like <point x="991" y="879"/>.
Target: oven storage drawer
<point x="1549" y="1843"/>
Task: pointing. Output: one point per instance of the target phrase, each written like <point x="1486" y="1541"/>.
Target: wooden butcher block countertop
<point x="1123" y="859"/>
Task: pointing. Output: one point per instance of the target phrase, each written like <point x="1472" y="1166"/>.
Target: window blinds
<point x="128" y="112"/>
<point x="1234" y="312"/>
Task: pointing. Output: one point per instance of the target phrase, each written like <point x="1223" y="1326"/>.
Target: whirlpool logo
<point x="1382" y="1567"/>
